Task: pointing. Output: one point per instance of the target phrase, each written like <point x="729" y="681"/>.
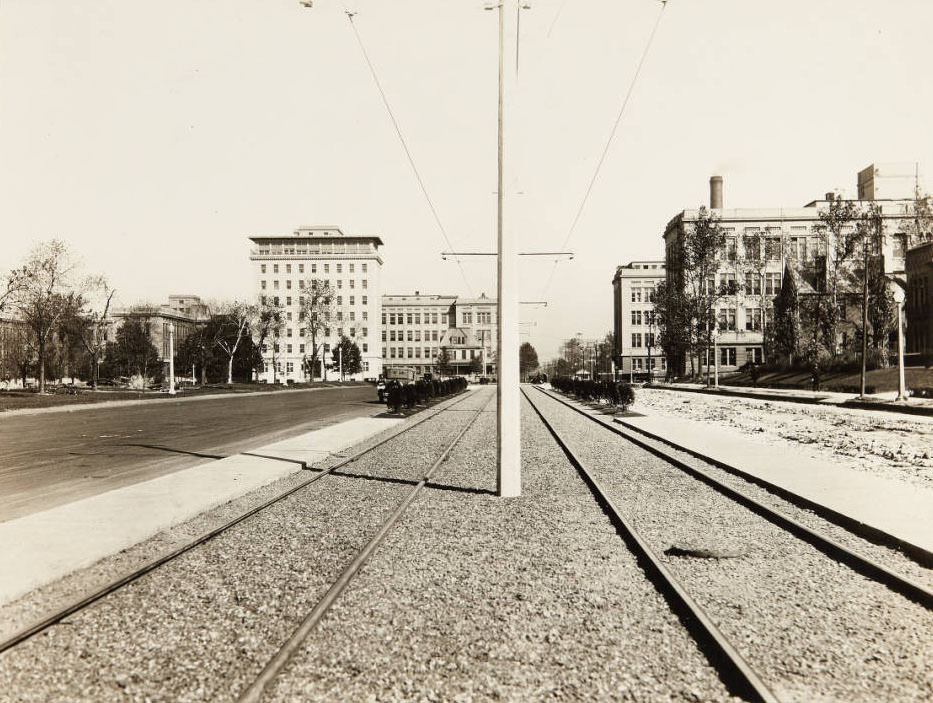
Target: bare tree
<point x="45" y="295"/>
<point x="91" y="326"/>
<point x="268" y="322"/>
<point x="237" y="317"/>
<point x="315" y="311"/>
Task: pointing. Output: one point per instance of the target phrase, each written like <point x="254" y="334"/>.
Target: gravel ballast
<point x="476" y="598"/>
<point x="202" y="626"/>
<point x="814" y="629"/>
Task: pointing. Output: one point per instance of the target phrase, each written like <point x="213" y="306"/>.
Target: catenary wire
<point x="612" y="133"/>
<point x="411" y="161"/>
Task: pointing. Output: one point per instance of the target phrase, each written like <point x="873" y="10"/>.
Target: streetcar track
<point x="832" y="548"/>
<point x="95" y="594"/>
<point x="735" y="671"/>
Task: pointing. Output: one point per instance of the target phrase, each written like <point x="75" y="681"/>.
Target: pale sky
<point x="155" y="137"/>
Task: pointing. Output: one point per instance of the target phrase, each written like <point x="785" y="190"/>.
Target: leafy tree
<point x="44" y="294"/>
<point x="315" y="310"/>
<point x="702" y="247"/>
<point x="527" y="359"/>
<point x="784" y="335"/>
<point x="443" y="362"/>
<point x="347" y="355"/>
<point x="572" y="353"/>
<point x="918" y="224"/>
<point x="476" y="365"/>
<point x="673" y="317"/>
<point x="132" y="352"/>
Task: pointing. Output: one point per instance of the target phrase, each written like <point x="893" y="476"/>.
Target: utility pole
<point x="509" y="476"/>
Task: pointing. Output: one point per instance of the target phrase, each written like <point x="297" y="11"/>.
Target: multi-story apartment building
<point x="762" y="244"/>
<point x="416" y="327"/>
<point x="351" y="264"/>
<point x="634" y="330"/>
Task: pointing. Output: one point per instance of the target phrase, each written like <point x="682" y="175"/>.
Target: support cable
<point x="605" y="151"/>
<point x="411" y="161"/>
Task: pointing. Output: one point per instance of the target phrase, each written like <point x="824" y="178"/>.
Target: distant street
<point x="54" y="458"/>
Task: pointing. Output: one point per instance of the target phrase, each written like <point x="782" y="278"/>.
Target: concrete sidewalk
<point x="39" y="548"/>
<point x="901" y="510"/>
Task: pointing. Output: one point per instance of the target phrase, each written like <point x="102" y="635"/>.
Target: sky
<point x="154" y="138"/>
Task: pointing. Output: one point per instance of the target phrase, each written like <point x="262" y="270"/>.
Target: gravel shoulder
<point x="895" y="446"/>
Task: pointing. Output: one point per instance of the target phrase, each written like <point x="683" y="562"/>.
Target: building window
<point x="352" y="283"/>
<point x="301" y="284"/>
<point x="409" y="336"/>
<point x="752" y="284"/>
<point x="313" y="268"/>
<point x="383" y="318"/>
<point x="352" y="300"/>
<point x="365" y="348"/>
<point x="301" y="268"/>
<point x="636" y="317"/>
<point x="636" y="339"/>
<point x="364" y="270"/>
<point x="727" y="356"/>
<point x="288" y="348"/>
<point x="288" y="300"/>
<point x="351" y="268"/>
<point x="364" y="284"/>
<point x="326" y="268"/>
<point x="365" y="300"/>
<point x="772" y="283"/>
<point x="753" y="355"/>
<point x="339" y="300"/>
<point x="275" y="268"/>
<point x="365" y="316"/>
<point x="288" y="268"/>
<point x="365" y="332"/>
<point x="727" y="284"/>
<point x="275" y="285"/>
<point x="262" y="268"/>
<point x="339" y="268"/>
<point x="262" y="284"/>
<point x="773" y="248"/>
<point x="753" y="319"/>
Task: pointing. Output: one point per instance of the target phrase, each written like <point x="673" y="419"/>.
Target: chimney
<point x="830" y="196"/>
<point x="417" y="292"/>
<point x="715" y="192"/>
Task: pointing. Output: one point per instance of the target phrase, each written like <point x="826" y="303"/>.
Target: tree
<point x="673" y="317"/>
<point x="315" y="310"/>
<point x="572" y="354"/>
<point x="839" y="244"/>
<point x="44" y="295"/>
<point x="918" y="223"/>
<point x="476" y="365"/>
<point x="91" y="325"/>
<point x="132" y="352"/>
<point x="784" y="335"/>
<point x="235" y="320"/>
<point x="703" y="244"/>
<point x="605" y="354"/>
<point x="527" y="359"/>
<point x="347" y="355"/>
<point x="269" y="322"/>
<point x="443" y="362"/>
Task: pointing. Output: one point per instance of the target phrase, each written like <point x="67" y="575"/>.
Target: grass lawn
<point x="19" y="399"/>
<point x="876" y="381"/>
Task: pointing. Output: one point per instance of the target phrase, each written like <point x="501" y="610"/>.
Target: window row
<point x="351" y="268"/>
<point x="640" y="363"/>
<point x="351" y="284"/>
<point x="728" y="285"/>
<point x="414" y="318"/>
<point x="413" y="336"/>
<point x="289" y="348"/>
<point x="728" y="356"/>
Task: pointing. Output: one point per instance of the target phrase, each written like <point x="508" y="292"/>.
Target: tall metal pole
<point x="901" y="385"/>
<point x="509" y="476"/>
<point x="864" y="322"/>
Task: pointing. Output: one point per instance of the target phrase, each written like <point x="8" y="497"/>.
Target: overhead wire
<point x="411" y="160"/>
<point x="605" y="152"/>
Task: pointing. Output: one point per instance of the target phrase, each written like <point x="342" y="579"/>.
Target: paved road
<point x="55" y="458"/>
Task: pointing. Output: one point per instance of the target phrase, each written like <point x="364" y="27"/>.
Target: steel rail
<point x="864" y="565"/>
<point x="94" y="595"/>
<point x="736" y="673"/>
<point x="254" y="692"/>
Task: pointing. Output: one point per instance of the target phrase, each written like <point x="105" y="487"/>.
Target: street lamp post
<point x="171" y="358"/>
<point x="899" y="298"/>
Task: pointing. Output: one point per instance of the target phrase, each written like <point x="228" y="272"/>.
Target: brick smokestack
<point x="715" y="192"/>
